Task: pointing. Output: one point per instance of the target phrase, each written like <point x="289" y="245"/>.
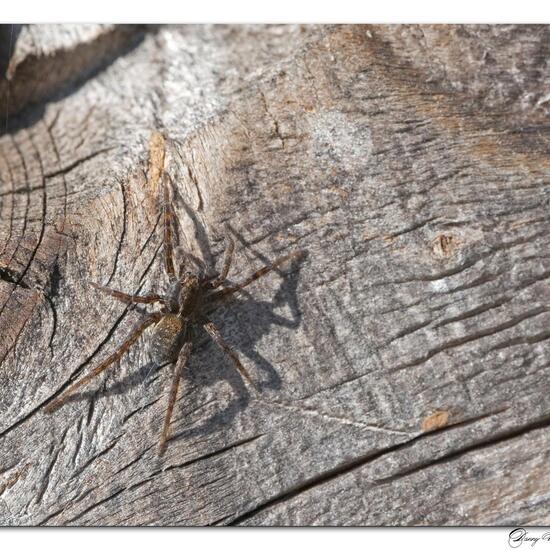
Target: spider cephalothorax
<point x="183" y="306"/>
<point x="189" y="295"/>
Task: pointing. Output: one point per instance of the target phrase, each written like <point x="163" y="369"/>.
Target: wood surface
<point x="403" y="364"/>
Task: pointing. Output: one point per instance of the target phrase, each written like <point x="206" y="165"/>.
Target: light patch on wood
<point x="157" y="151"/>
<point x="445" y="245"/>
<point x="435" y="421"/>
<point x="522" y="223"/>
<point x="14" y="478"/>
<point x="339" y="191"/>
<point x="342" y="136"/>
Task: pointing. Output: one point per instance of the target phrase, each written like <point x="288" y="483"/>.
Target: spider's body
<point x="168" y="338"/>
<point x="183" y="306"/>
<point x="190" y="294"/>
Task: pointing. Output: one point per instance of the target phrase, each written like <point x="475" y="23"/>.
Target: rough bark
<point x="403" y="364"/>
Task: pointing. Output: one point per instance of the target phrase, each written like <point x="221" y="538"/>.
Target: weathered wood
<point x="403" y="364"/>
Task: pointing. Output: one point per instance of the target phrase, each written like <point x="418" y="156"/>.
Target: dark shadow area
<point x="200" y="233"/>
<point x="216" y="366"/>
<point x="8" y="40"/>
<point x="39" y="80"/>
<point x="122" y="386"/>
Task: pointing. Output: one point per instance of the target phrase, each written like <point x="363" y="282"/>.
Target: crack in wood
<point x="54" y="322"/>
<point x="458" y="453"/>
<point x="161" y="471"/>
<point x="122" y="233"/>
<point x="355" y="464"/>
<point x="35" y="409"/>
<point x="442" y="163"/>
<point x="472" y="337"/>
<point x="93" y="458"/>
<point x="10" y="276"/>
<point x="76" y="163"/>
<point x="26" y="214"/>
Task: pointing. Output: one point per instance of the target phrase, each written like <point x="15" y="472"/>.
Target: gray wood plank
<point x="403" y="363"/>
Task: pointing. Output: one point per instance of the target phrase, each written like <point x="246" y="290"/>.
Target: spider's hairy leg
<point x="216" y="336"/>
<point x="227" y="257"/>
<point x="128" y="298"/>
<point x="256" y="275"/>
<point x="180" y="364"/>
<point x="134" y="336"/>
<point x="167" y="236"/>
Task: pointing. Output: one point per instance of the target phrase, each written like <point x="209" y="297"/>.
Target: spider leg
<point x="227" y="257"/>
<point x="167" y="238"/>
<point x="136" y="333"/>
<point x="256" y="275"/>
<point x="182" y="361"/>
<point x="216" y="336"/>
<point x="128" y="298"/>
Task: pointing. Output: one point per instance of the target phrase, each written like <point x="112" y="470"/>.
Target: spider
<point x="183" y="305"/>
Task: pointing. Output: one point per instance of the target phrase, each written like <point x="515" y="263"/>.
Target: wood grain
<point x="403" y="363"/>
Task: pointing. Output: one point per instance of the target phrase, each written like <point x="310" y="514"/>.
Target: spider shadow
<point x="261" y="315"/>
<point x="213" y="364"/>
<point x="142" y="375"/>
<point x="24" y="113"/>
<point x="8" y="38"/>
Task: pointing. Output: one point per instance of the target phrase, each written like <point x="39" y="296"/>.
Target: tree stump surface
<point x="403" y="364"/>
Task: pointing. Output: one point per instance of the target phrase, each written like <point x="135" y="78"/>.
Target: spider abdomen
<point x="167" y="339"/>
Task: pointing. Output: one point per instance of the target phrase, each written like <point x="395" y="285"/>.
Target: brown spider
<point x="183" y="305"/>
